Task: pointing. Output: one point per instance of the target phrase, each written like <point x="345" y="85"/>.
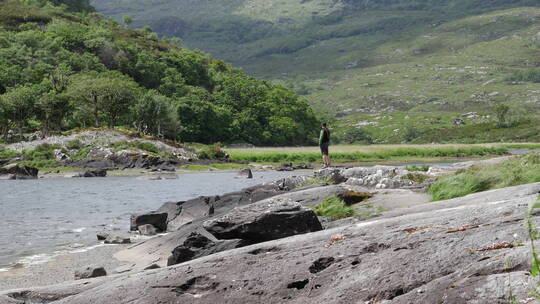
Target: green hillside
<point x="65" y="67"/>
<point x="389" y="71"/>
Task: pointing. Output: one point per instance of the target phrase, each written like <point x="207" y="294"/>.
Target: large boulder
<point x="264" y="221"/>
<point x="199" y="244"/>
<point x="185" y="212"/>
<point x="156" y="219"/>
<point x="90" y="272"/>
<point x="95" y="173"/>
<point x="245" y="173"/>
<point x="17" y="171"/>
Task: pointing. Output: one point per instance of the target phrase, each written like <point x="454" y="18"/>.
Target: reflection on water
<point x="39" y="217"/>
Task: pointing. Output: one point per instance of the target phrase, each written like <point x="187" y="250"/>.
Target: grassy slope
<point x="420" y="67"/>
<point x="517" y="171"/>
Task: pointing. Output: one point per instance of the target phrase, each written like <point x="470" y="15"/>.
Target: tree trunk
<point x="96" y="113"/>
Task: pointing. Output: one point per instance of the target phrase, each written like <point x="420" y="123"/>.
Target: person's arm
<point x="321" y="135"/>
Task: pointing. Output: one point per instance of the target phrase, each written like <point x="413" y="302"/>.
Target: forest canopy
<point x="61" y="70"/>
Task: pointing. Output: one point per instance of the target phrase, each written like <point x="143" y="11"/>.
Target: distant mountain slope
<point x="396" y="69"/>
<point x="248" y="31"/>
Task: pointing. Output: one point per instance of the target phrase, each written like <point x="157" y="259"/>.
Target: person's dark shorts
<point x="324" y="148"/>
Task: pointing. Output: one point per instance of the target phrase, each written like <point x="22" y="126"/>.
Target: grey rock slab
<point x="264" y="221"/>
<point x="461" y="251"/>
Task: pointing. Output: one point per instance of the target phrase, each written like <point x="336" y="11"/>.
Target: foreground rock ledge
<point x="466" y="250"/>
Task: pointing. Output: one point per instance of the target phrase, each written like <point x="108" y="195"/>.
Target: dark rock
<point x="153" y="266"/>
<point x="285" y="167"/>
<point x="245" y="173"/>
<point x="321" y="264"/>
<point x="352" y="197"/>
<point x="17" y="171"/>
<point x="90" y="272"/>
<point x="156" y="219"/>
<point x="101" y="236"/>
<point x="147" y="230"/>
<point x="95" y="173"/>
<point x="197" y="245"/>
<point x="264" y="221"/>
<point x="173" y="209"/>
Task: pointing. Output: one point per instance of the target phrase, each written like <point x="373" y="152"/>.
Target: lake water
<point x="41" y="218"/>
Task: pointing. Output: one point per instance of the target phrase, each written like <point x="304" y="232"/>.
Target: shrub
<point x="41" y="152"/>
<point x="74" y="144"/>
<point x="334" y="208"/>
<point x="212" y="152"/>
<point x="141" y="145"/>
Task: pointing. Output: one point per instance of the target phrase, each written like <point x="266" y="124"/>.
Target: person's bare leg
<point x="328" y="161"/>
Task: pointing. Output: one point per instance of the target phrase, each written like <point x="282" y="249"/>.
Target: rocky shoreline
<point x="265" y="244"/>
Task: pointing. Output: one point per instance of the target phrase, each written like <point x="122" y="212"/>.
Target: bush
<point x="212" y="152"/>
<point x="528" y="75"/>
<point x="74" y="145"/>
<point x="41" y="152"/>
<point x="335" y="208"/>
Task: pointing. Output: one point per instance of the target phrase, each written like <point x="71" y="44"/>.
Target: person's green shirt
<point x="322" y="136"/>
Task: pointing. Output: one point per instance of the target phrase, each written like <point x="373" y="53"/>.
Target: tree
<point x="104" y="95"/>
<point x="501" y="112"/>
<point x="19" y="105"/>
<point x="51" y="109"/>
<point x="152" y="114"/>
<point x="127" y="20"/>
<point x="201" y="120"/>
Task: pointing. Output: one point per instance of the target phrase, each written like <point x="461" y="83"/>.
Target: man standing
<point x="324" y="142"/>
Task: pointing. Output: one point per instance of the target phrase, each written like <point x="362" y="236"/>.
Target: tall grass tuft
<point x="517" y="171"/>
<point x="335" y="208"/>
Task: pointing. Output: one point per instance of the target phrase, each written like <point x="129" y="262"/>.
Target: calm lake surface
<point x="41" y="218"/>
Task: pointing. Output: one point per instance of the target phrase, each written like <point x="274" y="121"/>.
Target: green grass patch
<point x="416" y="177"/>
<point x="42" y="152"/>
<point x="74" y="145"/>
<point x="83" y="153"/>
<point x="40" y="164"/>
<point x="6" y="153"/>
<point x="422" y="168"/>
<point x="335" y="208"/>
<point x="271" y="156"/>
<point x="518" y="171"/>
